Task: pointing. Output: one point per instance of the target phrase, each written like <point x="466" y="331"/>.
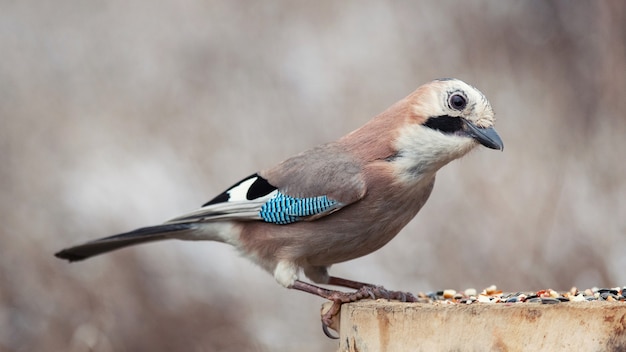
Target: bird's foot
<point x="364" y="291"/>
<point x="378" y="291"/>
<point x="367" y="291"/>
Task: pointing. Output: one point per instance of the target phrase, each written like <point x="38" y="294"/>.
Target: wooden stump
<point x="368" y="326"/>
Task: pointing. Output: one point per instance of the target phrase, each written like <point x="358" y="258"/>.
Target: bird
<point x="337" y="201"/>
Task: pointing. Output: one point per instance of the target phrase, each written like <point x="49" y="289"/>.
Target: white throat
<point x="423" y="151"/>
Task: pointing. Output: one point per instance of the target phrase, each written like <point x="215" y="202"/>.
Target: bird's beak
<point x="485" y="136"/>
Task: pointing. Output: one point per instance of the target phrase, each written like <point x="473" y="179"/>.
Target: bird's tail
<point x="111" y="243"/>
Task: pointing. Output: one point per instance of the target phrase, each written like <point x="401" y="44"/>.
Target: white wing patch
<point x="240" y="191"/>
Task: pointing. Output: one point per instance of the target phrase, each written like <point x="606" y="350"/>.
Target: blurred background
<point x="116" y="115"/>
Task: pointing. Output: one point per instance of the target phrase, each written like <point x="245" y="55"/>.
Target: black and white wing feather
<point x="254" y="198"/>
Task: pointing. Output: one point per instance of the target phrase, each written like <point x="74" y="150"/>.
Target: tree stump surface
<point x="381" y="325"/>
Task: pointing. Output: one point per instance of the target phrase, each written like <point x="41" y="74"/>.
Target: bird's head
<point x="456" y="109"/>
<point x="447" y="119"/>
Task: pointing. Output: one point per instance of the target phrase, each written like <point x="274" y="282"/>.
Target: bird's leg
<point x="337" y="281"/>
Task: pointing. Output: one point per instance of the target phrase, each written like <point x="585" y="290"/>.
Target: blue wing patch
<point x="283" y="209"/>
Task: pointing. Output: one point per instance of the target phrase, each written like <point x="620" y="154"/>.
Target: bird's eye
<point x="458" y="102"/>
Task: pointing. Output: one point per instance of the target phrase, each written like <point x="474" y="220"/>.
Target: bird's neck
<point x="374" y="140"/>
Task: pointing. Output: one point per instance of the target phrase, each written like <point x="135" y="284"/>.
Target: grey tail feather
<point x="111" y="243"/>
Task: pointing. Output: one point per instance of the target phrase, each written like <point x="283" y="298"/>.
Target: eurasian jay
<point x="338" y="201"/>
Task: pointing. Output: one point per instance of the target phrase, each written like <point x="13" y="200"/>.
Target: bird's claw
<point x="326" y="329"/>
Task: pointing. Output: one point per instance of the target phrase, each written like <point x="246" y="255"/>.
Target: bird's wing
<point x="306" y="187"/>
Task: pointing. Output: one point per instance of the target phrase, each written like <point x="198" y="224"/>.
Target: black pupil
<point x="457" y="101"/>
